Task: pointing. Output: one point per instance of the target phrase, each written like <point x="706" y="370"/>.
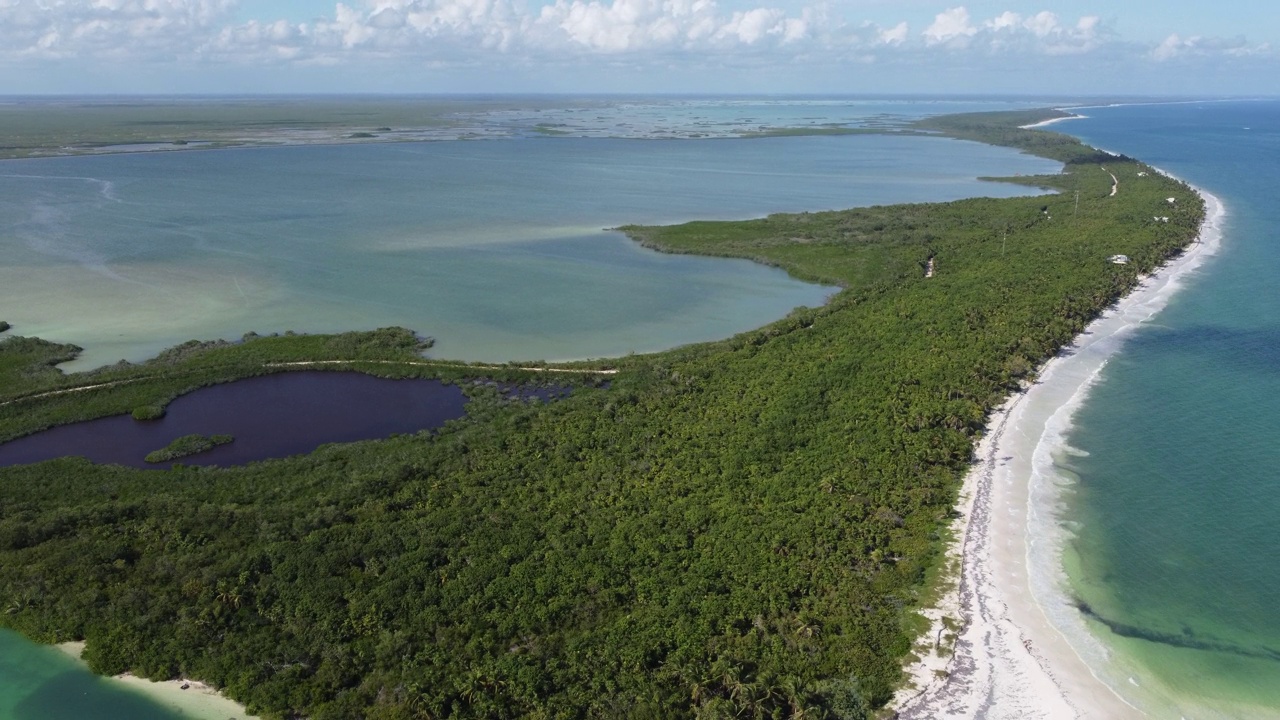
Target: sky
<point x="1038" y="47"/>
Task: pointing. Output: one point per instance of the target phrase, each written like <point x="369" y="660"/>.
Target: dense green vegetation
<point x="34" y="395"/>
<point x="187" y="445"/>
<point x="148" y="412"/>
<point x="732" y="529"/>
<point x="29" y="363"/>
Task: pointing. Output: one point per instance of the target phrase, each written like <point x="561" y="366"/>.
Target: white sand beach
<point x="188" y="698"/>
<point x="1052" y="121"/>
<point x="1021" y="649"/>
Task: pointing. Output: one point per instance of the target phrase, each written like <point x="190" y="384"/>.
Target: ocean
<point x="1174" y="498"/>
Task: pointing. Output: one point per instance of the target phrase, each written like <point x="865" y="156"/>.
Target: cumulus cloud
<point x="108" y="28"/>
<point x="1176" y="46"/>
<point x="895" y="35"/>
<point x="1010" y="32"/>
<point x="951" y="26"/>
<point x="461" y="31"/>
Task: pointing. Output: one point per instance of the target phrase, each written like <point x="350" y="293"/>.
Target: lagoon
<point x="495" y="248"/>
<point x="269" y="417"/>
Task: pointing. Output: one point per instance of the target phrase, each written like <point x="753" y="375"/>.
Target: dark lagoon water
<point x="270" y="416"/>
<point x="1174" y="455"/>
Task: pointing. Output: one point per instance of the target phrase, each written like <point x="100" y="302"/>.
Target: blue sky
<point x="743" y="46"/>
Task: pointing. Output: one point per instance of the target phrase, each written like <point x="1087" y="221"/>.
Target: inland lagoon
<point x="268" y="417"/>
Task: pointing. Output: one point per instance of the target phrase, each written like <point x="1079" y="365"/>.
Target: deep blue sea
<point x="1176" y="506"/>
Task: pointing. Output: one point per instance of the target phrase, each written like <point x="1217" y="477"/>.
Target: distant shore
<point x="1053" y="121"/>
<point x="1020" y="639"/>
<point x="190" y="698"/>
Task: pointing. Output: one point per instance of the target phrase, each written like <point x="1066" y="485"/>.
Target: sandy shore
<point x="1047" y="123"/>
<point x="1020" y="649"/>
<point x="197" y="701"/>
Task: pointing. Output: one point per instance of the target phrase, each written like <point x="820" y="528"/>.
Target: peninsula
<point x="742" y="528"/>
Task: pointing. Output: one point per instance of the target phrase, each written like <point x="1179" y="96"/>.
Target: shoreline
<point x="189" y="698"/>
<point x="1053" y="121"/>
<point x="1019" y="636"/>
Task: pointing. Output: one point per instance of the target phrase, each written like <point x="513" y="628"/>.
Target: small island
<point x="188" y="445"/>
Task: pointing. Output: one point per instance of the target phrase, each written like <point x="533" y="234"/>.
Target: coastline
<point x="1053" y="121"/>
<point x="188" y="698"/>
<point x="1019" y="636"/>
<point x="977" y="502"/>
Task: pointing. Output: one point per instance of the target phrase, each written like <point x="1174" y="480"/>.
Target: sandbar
<point x="1052" y="121"/>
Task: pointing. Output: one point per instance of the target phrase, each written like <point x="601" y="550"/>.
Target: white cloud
<point x="1042" y="24"/>
<point x="436" y="33"/>
<point x="1012" y="33"/>
<point x="951" y="26"/>
<point x="108" y="28"/>
<point x="1004" y="21"/>
<point x="895" y="35"/>
<point x="1176" y="46"/>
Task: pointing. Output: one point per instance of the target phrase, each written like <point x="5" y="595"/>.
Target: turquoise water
<point x="42" y="683"/>
<point x="494" y="248"/>
<point x="1178" y="498"/>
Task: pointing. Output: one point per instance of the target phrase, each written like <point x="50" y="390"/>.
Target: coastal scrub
<point x="187" y="445"/>
<point x="731" y="529"/>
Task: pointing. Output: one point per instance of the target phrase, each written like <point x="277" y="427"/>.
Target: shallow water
<point x="494" y="248"/>
<point x="43" y="683"/>
<point x="1176" y="498"/>
<point x="270" y="417"/>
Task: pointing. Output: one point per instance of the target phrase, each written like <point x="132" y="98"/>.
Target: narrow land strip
<point x="1020" y="639"/>
<point x="311" y="363"/>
